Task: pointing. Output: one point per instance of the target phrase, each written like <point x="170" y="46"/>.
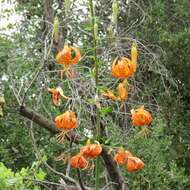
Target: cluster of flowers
<point x="125" y="158"/>
<point x="122" y="68"/>
<point x="87" y="152"/>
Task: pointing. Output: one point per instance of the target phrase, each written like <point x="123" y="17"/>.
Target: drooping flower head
<point x="66" y="121"/>
<point x="134" y="164"/>
<point x="122" y="92"/>
<point x="124" y="67"/>
<point x="141" y="117"/>
<point x="91" y="150"/>
<point x="66" y="57"/>
<point x="122" y="156"/>
<point x="57" y="93"/>
<point x="79" y="161"/>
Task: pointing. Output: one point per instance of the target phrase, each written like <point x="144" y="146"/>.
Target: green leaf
<point x="102" y="88"/>
<point x="40" y="175"/>
<point x="106" y="110"/>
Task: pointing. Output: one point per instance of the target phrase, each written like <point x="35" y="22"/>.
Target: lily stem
<point x="97" y="169"/>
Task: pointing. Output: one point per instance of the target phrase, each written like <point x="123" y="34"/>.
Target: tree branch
<point x="38" y="119"/>
<point x="48" y="10"/>
<point x="113" y="171"/>
<point x="49" y="125"/>
<point x="80" y="180"/>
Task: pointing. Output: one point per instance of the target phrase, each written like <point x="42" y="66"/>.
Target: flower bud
<point x="96" y="31"/>
<point x="56" y="29"/>
<point x="134" y="52"/>
<point x="115" y="11"/>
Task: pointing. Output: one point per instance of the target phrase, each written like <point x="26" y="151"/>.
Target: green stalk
<point x="97" y="169"/>
<point x="95" y="41"/>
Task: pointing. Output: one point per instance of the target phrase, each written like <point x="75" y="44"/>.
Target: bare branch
<point x="80" y="180"/>
<point x="38" y="119"/>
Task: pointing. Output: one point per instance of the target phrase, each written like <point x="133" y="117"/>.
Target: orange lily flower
<point x="56" y="95"/>
<point x="122" y="92"/>
<point x="66" y="121"/>
<point x="110" y="95"/>
<point x="124" y="67"/>
<point x="79" y="161"/>
<point x="134" y="164"/>
<point x="122" y="156"/>
<point x="91" y="151"/>
<point x="65" y="56"/>
<point x="141" y="117"/>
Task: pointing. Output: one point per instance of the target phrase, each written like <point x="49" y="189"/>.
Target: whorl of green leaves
<point x="56" y="29"/>
<point x="115" y="12"/>
<point x="67" y="5"/>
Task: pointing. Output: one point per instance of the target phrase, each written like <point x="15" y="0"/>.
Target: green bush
<point x="22" y="179"/>
<point x="161" y="171"/>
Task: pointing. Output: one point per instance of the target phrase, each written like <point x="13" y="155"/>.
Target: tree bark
<point x="38" y="119"/>
<point x="113" y="171"/>
<point x="49" y="16"/>
<point x="48" y="11"/>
